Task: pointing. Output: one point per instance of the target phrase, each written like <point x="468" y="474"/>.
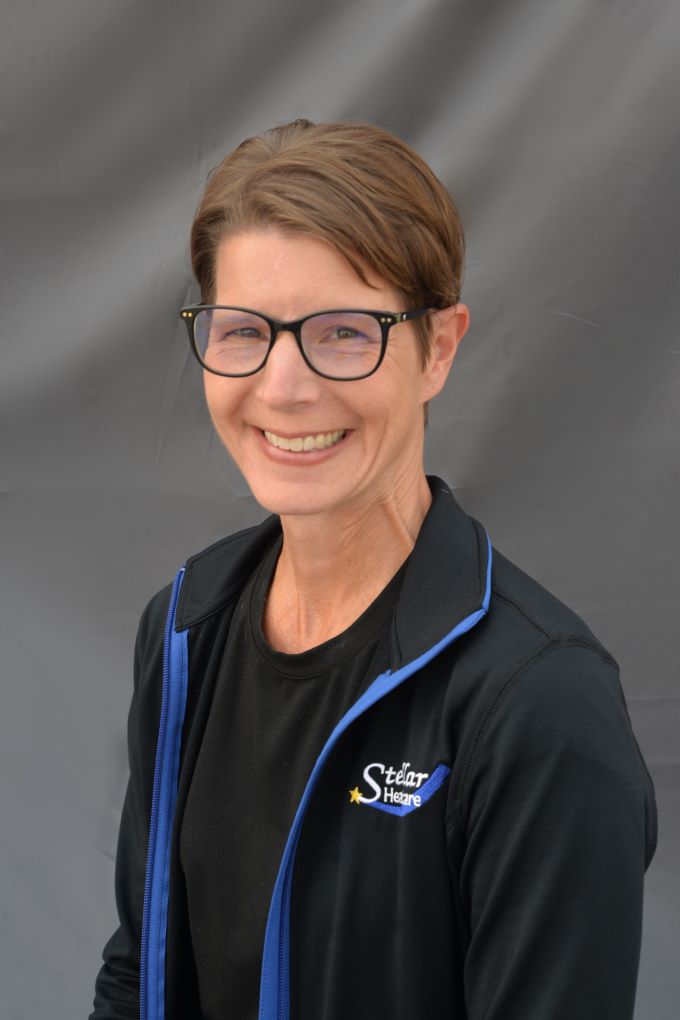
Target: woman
<point x="376" y="769"/>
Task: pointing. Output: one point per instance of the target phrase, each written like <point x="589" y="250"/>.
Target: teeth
<point x="305" y="443"/>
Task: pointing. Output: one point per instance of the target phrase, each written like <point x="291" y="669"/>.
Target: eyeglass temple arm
<point x="405" y="316"/>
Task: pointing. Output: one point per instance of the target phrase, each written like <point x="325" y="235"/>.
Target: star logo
<point x="355" y="796"/>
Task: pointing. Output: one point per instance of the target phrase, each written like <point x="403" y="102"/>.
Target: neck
<point x="332" y="566"/>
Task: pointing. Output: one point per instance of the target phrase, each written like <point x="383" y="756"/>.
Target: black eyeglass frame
<point x="384" y="319"/>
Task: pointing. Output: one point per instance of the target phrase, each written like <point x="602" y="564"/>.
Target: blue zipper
<point x="275" y="976"/>
<point x="156" y="887"/>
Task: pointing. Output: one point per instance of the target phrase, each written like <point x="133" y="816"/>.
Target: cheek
<point x="394" y="416"/>
<point x="223" y="399"/>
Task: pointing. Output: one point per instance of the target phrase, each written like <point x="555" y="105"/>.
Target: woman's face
<point x="380" y="418"/>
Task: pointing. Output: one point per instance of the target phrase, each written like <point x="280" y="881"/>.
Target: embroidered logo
<point x="397" y="790"/>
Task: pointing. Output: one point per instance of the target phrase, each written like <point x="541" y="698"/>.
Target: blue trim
<point x="275" y="977"/>
<point x="155" y="917"/>
<point x="427" y="790"/>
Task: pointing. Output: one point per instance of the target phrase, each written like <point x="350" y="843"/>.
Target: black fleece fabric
<point x="512" y="890"/>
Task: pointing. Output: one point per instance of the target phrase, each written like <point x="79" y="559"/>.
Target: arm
<point x="560" y="824"/>
<point x="117" y="984"/>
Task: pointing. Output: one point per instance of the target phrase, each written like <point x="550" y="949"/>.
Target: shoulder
<point x="531" y="651"/>
<point x="548" y="700"/>
<point x="556" y="682"/>
<point x="557" y="732"/>
<point x="520" y="602"/>
<point x="557" y="726"/>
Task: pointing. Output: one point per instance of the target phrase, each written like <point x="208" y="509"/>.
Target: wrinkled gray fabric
<point x="555" y="127"/>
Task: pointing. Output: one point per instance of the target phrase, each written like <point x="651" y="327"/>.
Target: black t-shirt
<point x="271" y="715"/>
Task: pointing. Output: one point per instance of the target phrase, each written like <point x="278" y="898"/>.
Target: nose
<point x="286" y="378"/>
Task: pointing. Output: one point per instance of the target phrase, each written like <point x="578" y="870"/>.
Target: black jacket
<point x="472" y="840"/>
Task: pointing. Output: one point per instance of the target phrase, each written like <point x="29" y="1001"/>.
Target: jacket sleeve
<point x="560" y="826"/>
<point x="117" y="984"/>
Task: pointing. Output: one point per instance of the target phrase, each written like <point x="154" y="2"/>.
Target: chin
<point x="293" y="498"/>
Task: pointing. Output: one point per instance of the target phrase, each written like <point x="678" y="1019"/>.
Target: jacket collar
<point x="445" y="579"/>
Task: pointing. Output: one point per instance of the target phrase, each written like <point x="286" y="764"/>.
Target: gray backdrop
<point x="555" y="126"/>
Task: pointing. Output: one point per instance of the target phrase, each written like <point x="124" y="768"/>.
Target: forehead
<point x="289" y="274"/>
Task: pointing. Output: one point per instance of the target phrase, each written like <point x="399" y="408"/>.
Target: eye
<point x="245" y="333"/>
<point x="346" y="333"/>
<point x="237" y="332"/>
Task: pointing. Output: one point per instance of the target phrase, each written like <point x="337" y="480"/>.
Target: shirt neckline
<point x="317" y="661"/>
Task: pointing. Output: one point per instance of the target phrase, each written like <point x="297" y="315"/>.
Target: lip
<point x="307" y="459"/>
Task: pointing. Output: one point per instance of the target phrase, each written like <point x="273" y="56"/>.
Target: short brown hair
<point x="353" y="184"/>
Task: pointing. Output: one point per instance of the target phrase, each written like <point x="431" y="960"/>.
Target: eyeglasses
<point x="337" y="344"/>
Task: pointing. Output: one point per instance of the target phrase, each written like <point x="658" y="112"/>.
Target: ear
<point x="449" y="326"/>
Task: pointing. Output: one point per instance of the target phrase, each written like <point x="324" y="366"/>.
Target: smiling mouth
<point x="305" y="443"/>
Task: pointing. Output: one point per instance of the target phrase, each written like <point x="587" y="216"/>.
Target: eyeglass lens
<point x="344" y="345"/>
